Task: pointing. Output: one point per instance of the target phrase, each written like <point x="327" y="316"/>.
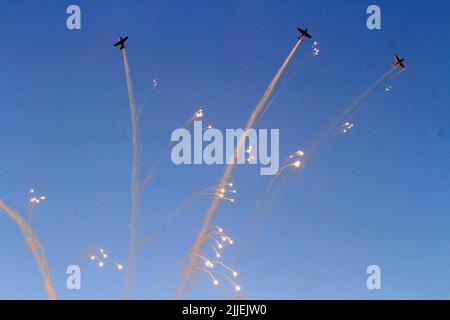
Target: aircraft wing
<point x="121" y="42"/>
<point x="396" y="58"/>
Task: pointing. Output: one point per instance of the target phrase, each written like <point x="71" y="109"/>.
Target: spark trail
<point x="197" y="115"/>
<point x="213" y="191"/>
<point x="168" y="219"/>
<point x="98" y="255"/>
<point x="190" y="269"/>
<point x="134" y="178"/>
<point x="35" y="247"/>
<point x="144" y="102"/>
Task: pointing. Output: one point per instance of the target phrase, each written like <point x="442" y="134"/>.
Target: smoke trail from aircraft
<point x="350" y="108"/>
<point x="303" y="62"/>
<point x="281" y="87"/>
<point x="35" y="247"/>
<point x="134" y="178"/>
<point x="396" y="74"/>
<point x="270" y="193"/>
<point x="189" y="270"/>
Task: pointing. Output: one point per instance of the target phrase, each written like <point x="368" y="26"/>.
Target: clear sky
<point x="379" y="195"/>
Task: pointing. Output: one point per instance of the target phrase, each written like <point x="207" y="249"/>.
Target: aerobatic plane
<point x="304" y="33"/>
<point x="121" y="42"/>
<point x="398" y="62"/>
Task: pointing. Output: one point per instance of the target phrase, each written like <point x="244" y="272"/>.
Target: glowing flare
<point x="99" y="255"/>
<point x="198" y="114"/>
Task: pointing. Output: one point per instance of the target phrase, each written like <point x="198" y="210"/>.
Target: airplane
<point x="304" y="33"/>
<point x="398" y="62"/>
<point x="121" y="42"/>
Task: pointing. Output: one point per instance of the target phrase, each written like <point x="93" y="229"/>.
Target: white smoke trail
<point x="134" y="178"/>
<point x="190" y="269"/>
<point x="35" y="247"/>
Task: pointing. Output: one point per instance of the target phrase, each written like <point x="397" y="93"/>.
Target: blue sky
<point x="379" y="195"/>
